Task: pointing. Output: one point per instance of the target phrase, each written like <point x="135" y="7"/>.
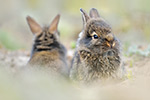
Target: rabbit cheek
<point x="56" y="37"/>
<point x="84" y="54"/>
<point x="94" y="42"/>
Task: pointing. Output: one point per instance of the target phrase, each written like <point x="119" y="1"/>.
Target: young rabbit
<point x="47" y="50"/>
<point x="97" y="54"/>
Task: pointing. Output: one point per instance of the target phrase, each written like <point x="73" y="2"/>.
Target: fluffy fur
<point x="98" y="54"/>
<point x="47" y="50"/>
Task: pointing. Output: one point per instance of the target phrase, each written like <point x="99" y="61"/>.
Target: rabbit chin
<point x="109" y="53"/>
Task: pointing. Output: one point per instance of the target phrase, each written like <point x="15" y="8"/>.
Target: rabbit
<point x="98" y="51"/>
<point x="47" y="51"/>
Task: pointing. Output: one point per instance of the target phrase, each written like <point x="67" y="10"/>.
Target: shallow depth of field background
<point x="130" y="21"/>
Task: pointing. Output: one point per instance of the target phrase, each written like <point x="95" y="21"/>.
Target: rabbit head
<point x="46" y="38"/>
<point x="96" y="36"/>
<point x="37" y="30"/>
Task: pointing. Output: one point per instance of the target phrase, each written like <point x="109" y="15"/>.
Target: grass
<point x="9" y="41"/>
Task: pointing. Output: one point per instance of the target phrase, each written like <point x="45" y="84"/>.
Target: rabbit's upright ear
<point x="85" y="16"/>
<point x="54" y="24"/>
<point x="94" y="13"/>
<point x="34" y="26"/>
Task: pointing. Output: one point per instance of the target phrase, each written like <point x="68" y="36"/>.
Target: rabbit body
<point x="98" y="54"/>
<point x="47" y="50"/>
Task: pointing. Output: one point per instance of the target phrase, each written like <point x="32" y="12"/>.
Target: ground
<point x="21" y="84"/>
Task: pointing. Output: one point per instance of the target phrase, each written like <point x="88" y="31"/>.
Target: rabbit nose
<point x="110" y="53"/>
<point x="109" y="37"/>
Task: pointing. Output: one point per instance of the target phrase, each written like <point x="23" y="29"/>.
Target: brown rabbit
<point x="47" y="50"/>
<point x="97" y="54"/>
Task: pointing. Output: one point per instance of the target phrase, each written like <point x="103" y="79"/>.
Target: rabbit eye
<point x="95" y="36"/>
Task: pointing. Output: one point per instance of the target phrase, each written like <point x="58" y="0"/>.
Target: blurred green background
<point x="130" y="20"/>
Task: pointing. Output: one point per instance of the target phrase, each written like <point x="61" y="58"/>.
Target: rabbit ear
<point x="94" y="13"/>
<point x="54" y="24"/>
<point x="34" y="26"/>
<point x="84" y="16"/>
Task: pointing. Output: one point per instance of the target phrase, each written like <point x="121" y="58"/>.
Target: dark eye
<point x="95" y="36"/>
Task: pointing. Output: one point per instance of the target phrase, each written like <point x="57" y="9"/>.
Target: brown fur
<point x="47" y="50"/>
<point x="97" y="57"/>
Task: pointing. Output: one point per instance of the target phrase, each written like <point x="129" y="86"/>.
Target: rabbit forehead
<point x="99" y="26"/>
<point x="46" y="34"/>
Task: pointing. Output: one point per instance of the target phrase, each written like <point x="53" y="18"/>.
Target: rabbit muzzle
<point x="109" y="53"/>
